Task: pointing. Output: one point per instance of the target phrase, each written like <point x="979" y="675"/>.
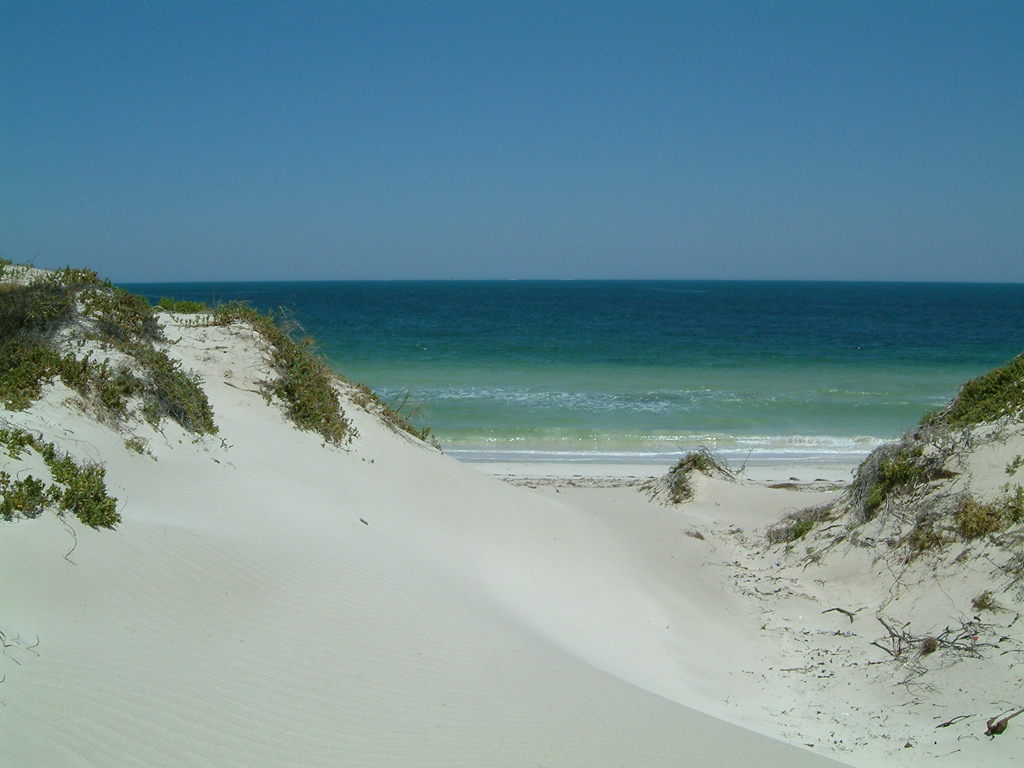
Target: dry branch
<point x="995" y="727"/>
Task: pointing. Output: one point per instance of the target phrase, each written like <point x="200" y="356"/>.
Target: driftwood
<point x="997" y="726"/>
<point x="842" y="611"/>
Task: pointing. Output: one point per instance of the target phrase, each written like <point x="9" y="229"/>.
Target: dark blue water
<point x="623" y="370"/>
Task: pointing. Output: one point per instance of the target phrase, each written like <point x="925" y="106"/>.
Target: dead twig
<point x="952" y="721"/>
<point x="997" y="726"/>
<point x="842" y="611"/>
<point x="244" y="389"/>
<point x="958" y="641"/>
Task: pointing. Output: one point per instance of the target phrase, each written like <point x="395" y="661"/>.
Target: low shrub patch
<point x="182" y="306"/>
<point x="82" y="489"/>
<point x="797" y="525"/>
<point x="391" y="414"/>
<point x="30" y="317"/>
<point x="304" y="382"/>
<point x="987" y="398"/>
<point x="22" y="498"/>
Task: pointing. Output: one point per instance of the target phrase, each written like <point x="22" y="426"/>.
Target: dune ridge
<point x="270" y="598"/>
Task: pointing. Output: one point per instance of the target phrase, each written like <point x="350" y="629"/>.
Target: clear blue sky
<point x="365" y="140"/>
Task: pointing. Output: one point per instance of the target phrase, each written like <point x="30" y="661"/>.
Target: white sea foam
<point x="737" y="451"/>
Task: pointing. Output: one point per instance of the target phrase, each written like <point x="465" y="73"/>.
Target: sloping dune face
<point x="271" y="601"/>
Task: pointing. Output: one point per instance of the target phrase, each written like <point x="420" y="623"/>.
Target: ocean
<point x="640" y="371"/>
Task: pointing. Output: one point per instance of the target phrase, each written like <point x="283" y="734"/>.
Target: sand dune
<point x="269" y="600"/>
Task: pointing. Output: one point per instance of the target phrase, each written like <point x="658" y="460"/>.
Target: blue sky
<point x="375" y="140"/>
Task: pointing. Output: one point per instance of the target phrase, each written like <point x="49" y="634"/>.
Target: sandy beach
<point x="269" y="600"/>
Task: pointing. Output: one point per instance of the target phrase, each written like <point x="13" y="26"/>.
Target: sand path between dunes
<point x="268" y="601"/>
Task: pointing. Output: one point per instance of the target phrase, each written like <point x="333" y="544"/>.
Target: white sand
<point x="268" y="601"/>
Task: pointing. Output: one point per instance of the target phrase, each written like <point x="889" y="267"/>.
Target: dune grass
<point x="304" y="383"/>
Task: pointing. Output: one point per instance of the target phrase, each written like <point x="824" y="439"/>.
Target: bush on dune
<point x="79" y="488"/>
<point x="32" y="318"/>
<point x="304" y="383"/>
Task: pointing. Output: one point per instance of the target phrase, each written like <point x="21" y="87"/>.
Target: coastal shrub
<point x="115" y="387"/>
<point x="1013" y="504"/>
<point x="25" y="365"/>
<point x="30" y="317"/>
<point x="987" y="398"/>
<point x="76" y="276"/>
<point x="182" y="306"/>
<point x="171" y="391"/>
<point x="975" y="520"/>
<point x="137" y="445"/>
<point x="304" y="382"/>
<point x="26" y="497"/>
<point x="925" y="535"/>
<point x="895" y="468"/>
<point x="15" y="441"/>
<point x="121" y="316"/>
<point x="33" y="308"/>
<point x="797" y="525"/>
<point x="85" y="490"/>
<point x="677" y="484"/>
<point x="392" y="413"/>
<point x="898" y="470"/>
<point x="799" y="529"/>
<point x="82" y="488"/>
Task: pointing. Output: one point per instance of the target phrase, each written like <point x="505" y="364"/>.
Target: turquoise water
<point x="634" y="371"/>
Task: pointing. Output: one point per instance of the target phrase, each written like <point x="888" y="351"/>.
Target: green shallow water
<point x="624" y="371"/>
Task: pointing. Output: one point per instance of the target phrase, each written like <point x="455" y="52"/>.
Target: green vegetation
<point x="987" y="398"/>
<point x="79" y="488"/>
<point x="171" y="391"/>
<point x="181" y="306"/>
<point x="33" y="308"/>
<point x="137" y="444"/>
<point x="22" y="498"/>
<point x="974" y="519"/>
<point x="796" y="525"/>
<point x="391" y="414"/>
<point x="31" y="318"/>
<point x="35" y="352"/>
<point x="895" y="468"/>
<point x="76" y="276"/>
<point x="1013" y="466"/>
<point x="985" y="602"/>
<point x="678" y="483"/>
<point x="120" y="316"/>
<point x="926" y="535"/>
<point x="304" y="384"/>
<point x="24" y="367"/>
<point x="15" y="441"/>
